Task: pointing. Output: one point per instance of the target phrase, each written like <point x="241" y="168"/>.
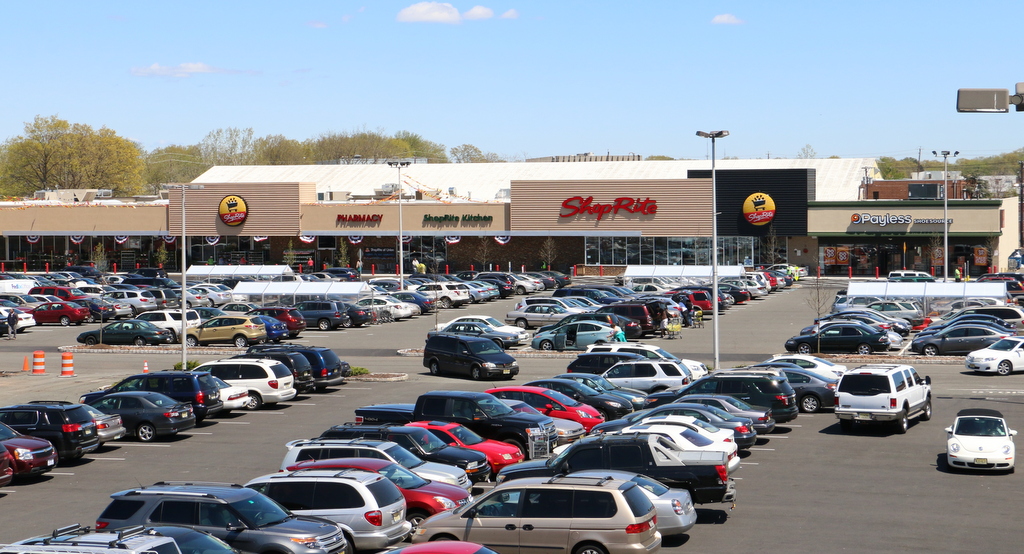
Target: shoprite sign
<point x="578" y="205"/>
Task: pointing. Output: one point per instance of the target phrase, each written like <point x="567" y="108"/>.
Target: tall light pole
<point x="184" y="249"/>
<point x="714" y="240"/>
<point x="945" y="211"/>
<point x="401" y="245"/>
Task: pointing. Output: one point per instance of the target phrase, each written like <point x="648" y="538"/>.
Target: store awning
<point x="682" y="271"/>
<point x="287" y="293"/>
<point x="889" y="289"/>
<point x="239" y="271"/>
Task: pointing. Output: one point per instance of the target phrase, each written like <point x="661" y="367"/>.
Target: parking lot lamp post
<point x="401" y="245"/>
<point x="184" y="249"/>
<point x="945" y="211"/>
<point x="714" y="240"/>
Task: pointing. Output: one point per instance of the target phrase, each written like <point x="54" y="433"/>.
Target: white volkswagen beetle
<point x="980" y="439"/>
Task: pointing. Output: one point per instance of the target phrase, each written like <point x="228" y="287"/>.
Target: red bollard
<point x="324" y="266"/>
<point x="933" y="271"/>
<point x="115" y="267"/>
<point x="446" y="269"/>
<point x="849" y="271"/>
<point x="600" y="270"/>
<point x="137" y="265"/>
<point x="47" y="267"/>
<point x="160" y="265"/>
<point x="373" y="269"/>
<point x="24" y="266"/>
<point x="300" y="268"/>
<point x="471" y="268"/>
<point x="819" y="272"/>
<point x="574" y="270"/>
<point x="876" y="272"/>
<point x="3" y="268"/>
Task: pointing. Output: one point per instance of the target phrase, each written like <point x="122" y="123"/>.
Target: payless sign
<point x="626" y="205"/>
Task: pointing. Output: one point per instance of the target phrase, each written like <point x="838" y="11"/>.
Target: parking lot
<point x="805" y="487"/>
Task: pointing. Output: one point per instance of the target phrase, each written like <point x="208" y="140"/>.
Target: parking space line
<point x="114" y="459"/>
<point x="261" y="412"/>
<point x="57" y="473"/>
<point x="779" y="437"/>
<point x="793" y="425"/>
<point x="750" y="463"/>
<point x="143" y="444"/>
<point x="232" y="423"/>
<point x="302" y="404"/>
<point x="763" y="449"/>
<point x="191" y="433"/>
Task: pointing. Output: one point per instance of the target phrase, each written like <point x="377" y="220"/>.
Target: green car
<point x="129" y="331"/>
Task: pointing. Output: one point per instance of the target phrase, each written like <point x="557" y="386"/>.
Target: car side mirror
<point x="470" y="513"/>
<point x="549" y="407"/>
<point x="232" y="528"/>
<point x="1013" y="432"/>
<point x="927" y="380"/>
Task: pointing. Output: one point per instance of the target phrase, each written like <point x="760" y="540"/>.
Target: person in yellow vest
<point x="956" y="273"/>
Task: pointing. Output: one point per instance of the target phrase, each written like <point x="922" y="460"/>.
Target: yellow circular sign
<point x="233" y="210"/>
<point x="759" y="209"/>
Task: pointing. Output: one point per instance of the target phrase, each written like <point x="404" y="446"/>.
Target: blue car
<point x="577" y="335"/>
<point x="276" y="329"/>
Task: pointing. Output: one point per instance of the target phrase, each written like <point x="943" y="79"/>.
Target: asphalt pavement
<point x="804" y="488"/>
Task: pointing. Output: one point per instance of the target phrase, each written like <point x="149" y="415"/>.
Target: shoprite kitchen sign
<point x="577" y="205"/>
<point x="455" y="219"/>
<point x="891" y="219"/>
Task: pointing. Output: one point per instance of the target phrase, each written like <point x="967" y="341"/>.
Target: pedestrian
<point x="619" y="336"/>
<point x="657" y="318"/>
<point x="12" y="324"/>
<point x="687" y="312"/>
<point x="956" y="273"/>
<point x="242" y="261"/>
<point x="359" y="267"/>
<point x="221" y="261"/>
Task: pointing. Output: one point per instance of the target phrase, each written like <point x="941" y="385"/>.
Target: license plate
<point x="981" y="461"/>
<point x="51" y="461"/>
<point x="395" y="517"/>
<point x="863" y="416"/>
<point x="506" y="371"/>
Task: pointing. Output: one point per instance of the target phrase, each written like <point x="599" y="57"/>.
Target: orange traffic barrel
<point x="38" y="362"/>
<point x="67" y="364"/>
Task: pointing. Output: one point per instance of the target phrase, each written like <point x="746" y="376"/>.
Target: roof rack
<point x="62" y="402"/>
<point x="563" y="478"/>
<point x="197" y="484"/>
<point x="78" y="530"/>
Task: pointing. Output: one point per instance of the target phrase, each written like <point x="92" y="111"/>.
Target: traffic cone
<point x="145" y="366"/>
<point x="24" y="367"/>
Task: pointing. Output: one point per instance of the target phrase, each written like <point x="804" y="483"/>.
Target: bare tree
<point x="806" y="153"/>
<point x="548" y="251"/>
<point x="820" y="297"/>
<point x="483" y="251"/>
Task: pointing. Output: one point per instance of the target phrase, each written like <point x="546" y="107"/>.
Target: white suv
<point x="886" y="393"/>
<point x="75" y="539"/>
<point x="651" y="352"/>
<point x="268" y="381"/>
<point x="446" y="295"/>
<point x="171" y="319"/>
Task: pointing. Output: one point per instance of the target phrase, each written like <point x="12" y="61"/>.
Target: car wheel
<point x="445" y="302"/>
<point x="846" y="425"/>
<point x="520" y="290"/>
<point x="603" y="412"/>
<point x="90" y="319"/>
<point x="139" y="341"/>
<point x="902" y="423"/>
<point x="241" y="341"/>
<point x="926" y="413"/>
<point x="547" y="345"/>
<point x="65" y="320"/>
<point x="188" y="305"/>
<point x="474" y="372"/>
<point x="810" y="404"/>
<point x="863" y="349"/>
<point x="931" y="350"/>
<point x="324" y="324"/>
<point x="803" y="348"/>
<point x="1004" y="368"/>
<point x="589" y="548"/>
<point x="346" y="323"/>
<point x="435" y="368"/>
<point x="416" y="517"/>
<point x="91" y="341"/>
<point x="145" y="432"/>
<point x="350" y="547"/>
<point x="135" y="312"/>
<point x="174" y="335"/>
<point x="191" y="341"/>
<point x="254" y="402"/>
<point x="522" y="323"/>
<point x="500" y="344"/>
<point x="518" y="444"/>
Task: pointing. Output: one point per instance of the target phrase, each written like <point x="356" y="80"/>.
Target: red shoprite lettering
<point x="579" y="205"/>
<point x="359" y="218"/>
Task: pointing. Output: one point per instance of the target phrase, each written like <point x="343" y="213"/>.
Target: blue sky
<point x="525" y="78"/>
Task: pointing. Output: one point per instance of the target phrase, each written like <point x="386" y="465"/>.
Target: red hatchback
<point x="64" y="313"/>
<point x="32" y="455"/>
<point x="552" y="404"/>
<point x="290" y="316"/>
<point x="6" y="468"/>
<point x="422" y="498"/>
<point x="499" y="454"/>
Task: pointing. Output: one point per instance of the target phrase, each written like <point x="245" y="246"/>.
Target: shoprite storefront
<point x="876" y="237"/>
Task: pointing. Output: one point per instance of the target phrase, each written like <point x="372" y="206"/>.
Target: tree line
<point x="53" y="153"/>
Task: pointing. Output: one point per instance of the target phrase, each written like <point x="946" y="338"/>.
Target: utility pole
<point x="1020" y="206"/>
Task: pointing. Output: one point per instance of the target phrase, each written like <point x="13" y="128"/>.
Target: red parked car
<point x="6" y="468"/>
<point x="290" y="316"/>
<point x="32" y="455"/>
<point x="64" y="313"/>
<point x="422" y="498"/>
<point x="499" y="454"/>
<point x="552" y="404"/>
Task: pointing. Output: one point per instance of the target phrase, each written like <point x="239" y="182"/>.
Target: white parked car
<point x="96" y="291"/>
<point x="690" y="433"/>
<point x="398" y="309"/>
<point x="24" y="320"/>
<point x="528" y="284"/>
<point x="268" y="381"/>
<point x="980" y="439"/>
<point x="482" y="320"/>
<point x="1003" y="357"/>
<point x="817" y="365"/>
<point x="234" y="397"/>
<point x="447" y="294"/>
<point x="171" y="320"/>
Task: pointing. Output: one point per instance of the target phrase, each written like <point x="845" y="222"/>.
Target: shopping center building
<point x="593" y="216"/>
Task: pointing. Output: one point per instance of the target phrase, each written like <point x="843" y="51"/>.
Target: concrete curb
<point x="379" y="377"/>
<point x="176" y="350"/>
<point x="416" y="352"/>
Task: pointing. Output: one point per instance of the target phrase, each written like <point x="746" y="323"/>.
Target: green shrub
<point x="192" y="364"/>
<point x="360" y="371"/>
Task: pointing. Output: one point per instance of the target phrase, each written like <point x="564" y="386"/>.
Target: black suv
<point x="302" y="370"/>
<point x="67" y="425"/>
<point x="328" y="369"/>
<point x="474" y="356"/>
<point x="197" y="387"/>
<point x="420" y="442"/>
<point x="758" y="390"/>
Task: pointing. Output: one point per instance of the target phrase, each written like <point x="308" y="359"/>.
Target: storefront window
<point x="669" y="250"/>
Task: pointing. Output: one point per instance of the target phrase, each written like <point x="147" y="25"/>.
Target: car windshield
<point x="494" y="407"/>
<point x="403" y="456"/>
<point x="259" y="511"/>
<point x="6" y="432"/>
<point x="650" y="485"/>
<point x="563" y="399"/>
<point x="665" y="354"/>
<point x="429" y="442"/>
<point x="465" y="435"/>
<point x="521" y="407"/>
<point x="485" y="347"/>
<point x="980" y="427"/>
<point x="160" y="400"/>
<point x="401" y="477"/>
<point x="695" y="438"/>
<point x="220" y="383"/>
<point x="718" y="412"/>
<point x="1005" y="345"/>
<point x="736" y="402"/>
<point x="599" y="383"/>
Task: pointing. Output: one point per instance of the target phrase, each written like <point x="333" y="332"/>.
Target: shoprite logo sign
<point x="759" y="209"/>
<point x="233" y="210"/>
<point x="626" y="204"/>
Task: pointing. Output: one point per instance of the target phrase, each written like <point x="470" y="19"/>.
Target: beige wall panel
<point x="683" y="206"/>
<point x="447" y="219"/>
<point x="966" y="219"/>
<point x="84" y="219"/>
<point x="273" y="208"/>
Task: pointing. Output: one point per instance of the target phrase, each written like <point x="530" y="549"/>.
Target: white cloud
<point x="346" y="18"/>
<point x="180" y="70"/>
<point x="316" y="24"/>
<point x="511" y="14"/>
<point x="479" y="12"/>
<point x="726" y="19"/>
<point x="430" y="12"/>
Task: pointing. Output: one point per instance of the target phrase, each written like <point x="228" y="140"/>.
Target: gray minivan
<point x="477" y="357"/>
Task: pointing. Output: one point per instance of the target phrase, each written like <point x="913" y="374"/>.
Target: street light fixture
<point x="184" y="249"/>
<point x="401" y="245"/>
<point x="714" y="240"/>
<point x="945" y="211"/>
